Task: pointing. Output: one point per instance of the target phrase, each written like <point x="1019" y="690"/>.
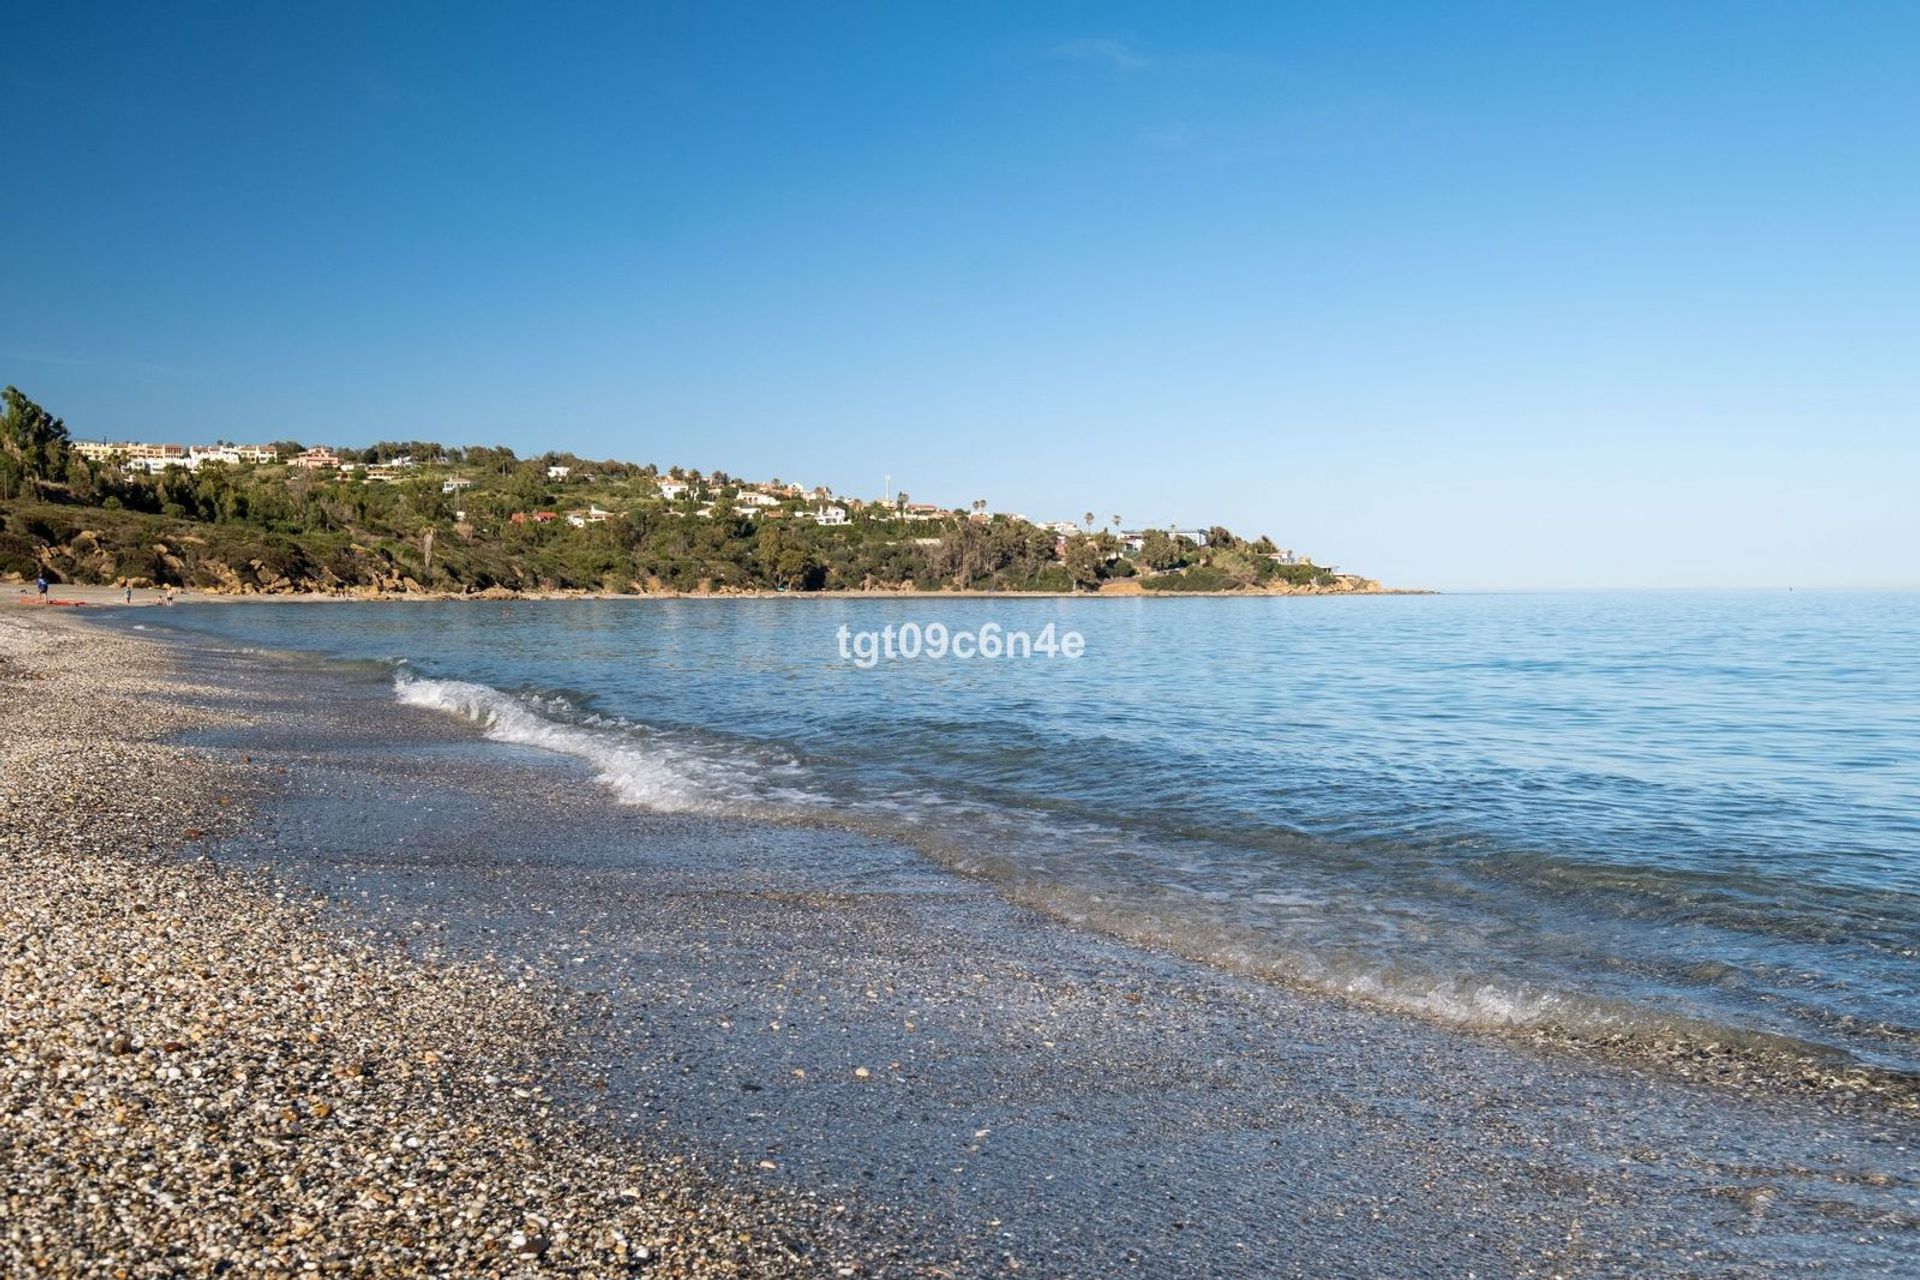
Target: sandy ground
<point x="198" y="1077"/>
<point x="988" y="1091"/>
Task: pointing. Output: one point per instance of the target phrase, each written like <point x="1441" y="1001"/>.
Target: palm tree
<point x="1087" y="519"/>
<point x="1116" y="520"/>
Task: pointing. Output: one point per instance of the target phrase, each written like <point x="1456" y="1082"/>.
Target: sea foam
<point x="642" y="772"/>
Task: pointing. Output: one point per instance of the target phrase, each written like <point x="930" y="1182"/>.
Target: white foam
<point x="639" y="772"/>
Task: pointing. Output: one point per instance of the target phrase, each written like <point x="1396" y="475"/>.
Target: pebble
<point x="321" y="1106"/>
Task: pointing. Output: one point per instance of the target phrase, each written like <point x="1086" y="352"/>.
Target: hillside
<point x="417" y="517"/>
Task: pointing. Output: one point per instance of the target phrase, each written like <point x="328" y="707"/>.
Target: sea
<point x="1675" y="817"/>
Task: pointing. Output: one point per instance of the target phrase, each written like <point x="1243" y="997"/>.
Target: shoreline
<point x="95" y="594"/>
<point x="195" y="1066"/>
<point x="1098" y="1104"/>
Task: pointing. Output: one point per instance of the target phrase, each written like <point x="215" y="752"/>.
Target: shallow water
<point x="964" y="1087"/>
<point x="1653" y="814"/>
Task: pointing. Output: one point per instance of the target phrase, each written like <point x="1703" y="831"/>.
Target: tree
<point x="1085" y="562"/>
<point x="1087" y="520"/>
<point x="35" y="439"/>
<point x="963" y="555"/>
<point x="1161" y="550"/>
<point x="788" y="561"/>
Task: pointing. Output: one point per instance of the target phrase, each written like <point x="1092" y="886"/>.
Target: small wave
<point x="639" y="772"/>
<point x="651" y="768"/>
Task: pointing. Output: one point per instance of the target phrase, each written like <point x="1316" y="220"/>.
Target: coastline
<point x="1011" y="1071"/>
<point x="197" y="1069"/>
<point x="95" y="594"/>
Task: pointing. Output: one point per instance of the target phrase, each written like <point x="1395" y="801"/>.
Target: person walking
<point x="129" y="587"/>
<point x="41" y="583"/>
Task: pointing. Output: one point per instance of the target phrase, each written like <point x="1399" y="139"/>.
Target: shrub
<point x="1197" y="579"/>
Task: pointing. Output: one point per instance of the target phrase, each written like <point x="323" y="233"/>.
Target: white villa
<point x="155" y="458"/>
<point x="233" y="454"/>
<point x="136" y="452"/>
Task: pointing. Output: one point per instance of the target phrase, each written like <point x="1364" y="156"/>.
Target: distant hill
<point x="417" y="517"/>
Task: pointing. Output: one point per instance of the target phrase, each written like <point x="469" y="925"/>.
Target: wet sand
<point x="740" y="1048"/>
<point x="975" y="1089"/>
<point x="201" y="1075"/>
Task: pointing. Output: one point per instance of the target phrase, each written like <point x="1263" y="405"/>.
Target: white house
<point x="559" y="473"/>
<point x="672" y="490"/>
<point x="454" y="484"/>
<point x="754" y="498"/>
<point x="1064" y="528"/>
<point x="831" y="515"/>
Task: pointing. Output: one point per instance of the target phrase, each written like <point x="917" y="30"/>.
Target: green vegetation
<point x="414" y="516"/>
<point x="33" y="448"/>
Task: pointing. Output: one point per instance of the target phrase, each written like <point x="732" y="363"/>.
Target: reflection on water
<point x="1607" y="812"/>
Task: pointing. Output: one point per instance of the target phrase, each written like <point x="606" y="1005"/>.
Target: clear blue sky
<point x="1456" y="295"/>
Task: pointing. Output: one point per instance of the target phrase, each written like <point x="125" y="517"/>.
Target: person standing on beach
<point x="129" y="587"/>
<point x="41" y="583"/>
<point x="168" y="599"/>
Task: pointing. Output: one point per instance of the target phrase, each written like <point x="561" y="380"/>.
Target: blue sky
<point x="1456" y="295"/>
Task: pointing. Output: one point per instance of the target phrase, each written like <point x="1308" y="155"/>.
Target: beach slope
<point x="196" y="1077"/>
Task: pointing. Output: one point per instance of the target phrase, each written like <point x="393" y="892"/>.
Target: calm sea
<point x="1692" y="815"/>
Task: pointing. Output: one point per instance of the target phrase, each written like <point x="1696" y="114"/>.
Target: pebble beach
<point x="296" y="979"/>
<point x="197" y="1078"/>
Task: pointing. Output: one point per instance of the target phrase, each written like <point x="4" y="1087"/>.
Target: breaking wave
<point x="1087" y="875"/>
<point x="637" y="767"/>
